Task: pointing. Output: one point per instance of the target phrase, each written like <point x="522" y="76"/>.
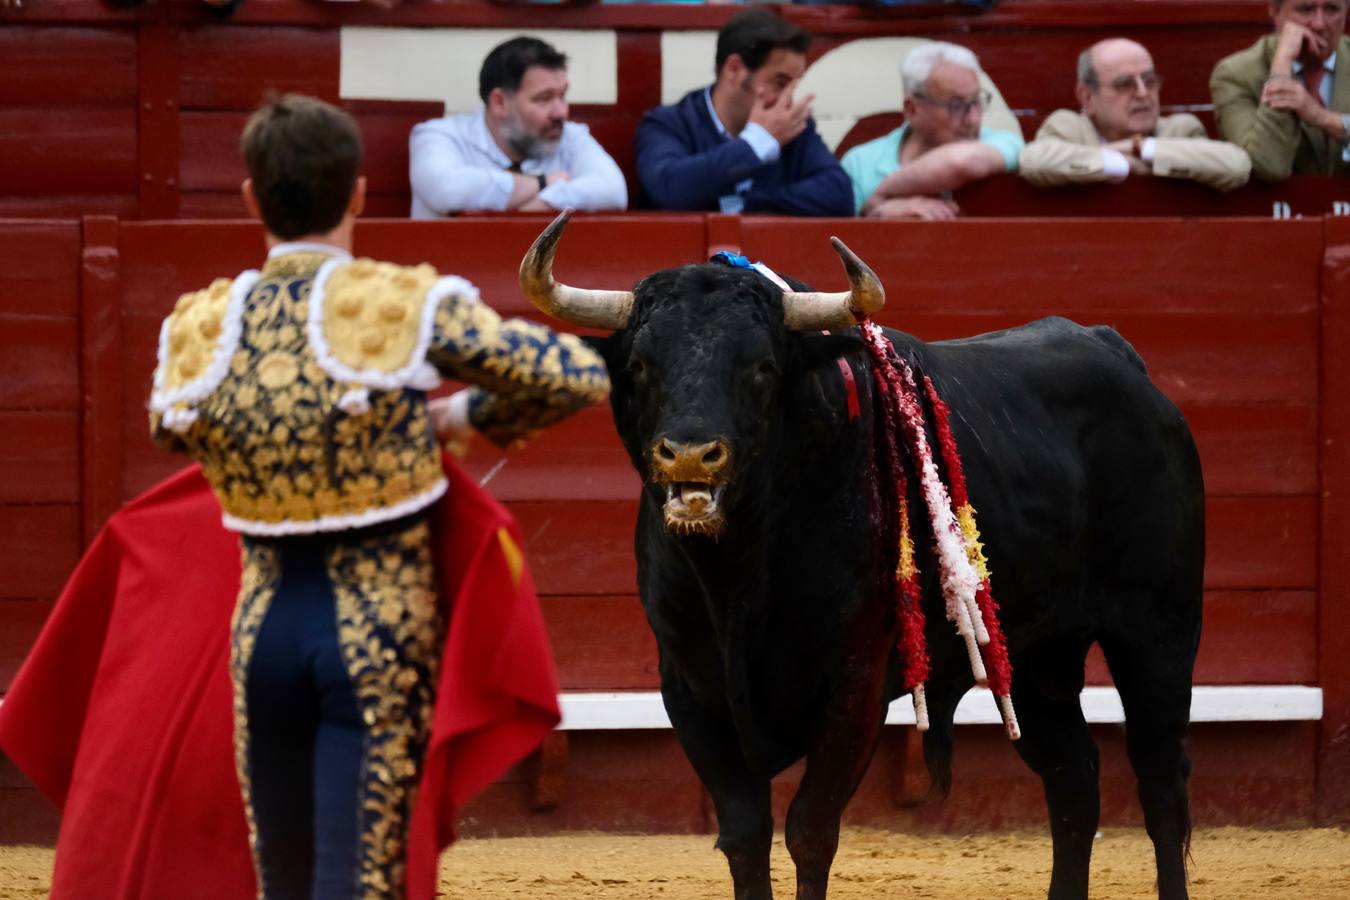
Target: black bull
<point x="765" y="584"/>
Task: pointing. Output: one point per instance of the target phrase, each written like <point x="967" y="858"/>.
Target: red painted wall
<point x="1237" y="320"/>
<point x="136" y="113"/>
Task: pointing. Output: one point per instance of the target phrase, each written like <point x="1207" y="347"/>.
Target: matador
<point x="302" y="391"/>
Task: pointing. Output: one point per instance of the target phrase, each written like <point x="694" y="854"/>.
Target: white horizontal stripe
<point x="1239" y="703"/>
<point x="634" y="710"/>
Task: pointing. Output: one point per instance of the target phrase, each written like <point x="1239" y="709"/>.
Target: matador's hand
<point x="450" y="419"/>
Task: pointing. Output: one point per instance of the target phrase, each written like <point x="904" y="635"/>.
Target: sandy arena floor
<point x="1230" y="864"/>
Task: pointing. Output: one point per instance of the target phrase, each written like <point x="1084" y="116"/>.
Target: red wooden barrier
<point x="1304" y="196"/>
<point x="1237" y="320"/>
<point x="1333" y="787"/>
<point x="1234" y="351"/>
<point x="39" y="425"/>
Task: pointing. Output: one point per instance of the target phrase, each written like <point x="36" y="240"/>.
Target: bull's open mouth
<point x="694" y="508"/>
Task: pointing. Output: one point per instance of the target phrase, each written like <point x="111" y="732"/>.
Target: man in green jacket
<point x="1286" y="99"/>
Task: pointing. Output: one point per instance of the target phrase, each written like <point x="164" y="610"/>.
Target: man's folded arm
<point x="824" y="188"/>
<point x="1051" y="162"/>
<point x="596" y="181"/>
<point x="444" y="180"/>
<point x="1268" y="136"/>
<point x="673" y="177"/>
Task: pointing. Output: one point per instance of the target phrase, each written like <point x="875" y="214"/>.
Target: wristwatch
<point x="543" y="180"/>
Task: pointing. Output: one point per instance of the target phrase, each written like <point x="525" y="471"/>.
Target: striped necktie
<point x="1312" y="80"/>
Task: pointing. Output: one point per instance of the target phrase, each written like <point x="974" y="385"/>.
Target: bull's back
<point x="1084" y="475"/>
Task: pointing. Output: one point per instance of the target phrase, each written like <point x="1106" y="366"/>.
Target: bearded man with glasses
<point x="942" y="146"/>
<point x="1119" y="131"/>
<point x="1285" y="100"/>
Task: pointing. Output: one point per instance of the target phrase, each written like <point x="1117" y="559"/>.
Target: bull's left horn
<point x="818" y="311"/>
<point x="594" y="309"/>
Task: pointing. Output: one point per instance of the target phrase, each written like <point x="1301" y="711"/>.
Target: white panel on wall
<point x="687" y="59"/>
<point x="443" y="63"/>
<point x="862" y="77"/>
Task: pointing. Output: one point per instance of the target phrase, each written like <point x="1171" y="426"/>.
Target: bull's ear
<point x="817" y="349"/>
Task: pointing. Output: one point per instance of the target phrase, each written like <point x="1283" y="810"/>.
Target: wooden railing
<point x="1241" y="322"/>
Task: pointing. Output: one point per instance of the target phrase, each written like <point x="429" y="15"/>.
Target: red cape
<point x="122" y="712"/>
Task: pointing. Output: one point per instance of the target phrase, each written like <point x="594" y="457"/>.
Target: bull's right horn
<point x="580" y="306"/>
<point x="819" y="311"/>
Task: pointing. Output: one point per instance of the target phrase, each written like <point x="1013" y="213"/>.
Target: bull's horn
<point x="818" y="311"/>
<point x="594" y="309"/>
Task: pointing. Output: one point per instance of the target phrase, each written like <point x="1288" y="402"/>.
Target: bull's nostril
<point x="713" y="456"/>
<point x="666" y="452"/>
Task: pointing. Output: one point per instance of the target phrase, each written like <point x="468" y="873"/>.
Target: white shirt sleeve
<point x="765" y="145"/>
<point x="596" y="181"/>
<point x="448" y="176"/>
<point x="1114" y="164"/>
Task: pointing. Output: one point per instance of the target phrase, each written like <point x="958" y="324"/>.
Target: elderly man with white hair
<point x="1119" y="132"/>
<point x="941" y="146"/>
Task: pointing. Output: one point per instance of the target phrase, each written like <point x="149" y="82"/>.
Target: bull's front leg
<point x="835" y="764"/>
<point x="741" y="798"/>
<point x="837" y="757"/>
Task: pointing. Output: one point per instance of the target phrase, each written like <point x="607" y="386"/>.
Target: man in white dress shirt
<point x="519" y="152"/>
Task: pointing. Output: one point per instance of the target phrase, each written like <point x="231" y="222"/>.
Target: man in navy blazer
<point x="746" y="143"/>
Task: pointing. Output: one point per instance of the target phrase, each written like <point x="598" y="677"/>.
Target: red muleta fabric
<point x="122" y="713"/>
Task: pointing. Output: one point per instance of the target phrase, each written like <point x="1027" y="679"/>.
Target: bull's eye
<point x="765" y="373"/>
<point x="637" y="369"/>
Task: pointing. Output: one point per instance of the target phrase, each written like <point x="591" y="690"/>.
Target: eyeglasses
<point x="1330" y="10"/>
<point x="1126" y="84"/>
<point x="956" y="108"/>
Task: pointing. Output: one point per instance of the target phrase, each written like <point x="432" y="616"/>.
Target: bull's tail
<point x="937" y="749"/>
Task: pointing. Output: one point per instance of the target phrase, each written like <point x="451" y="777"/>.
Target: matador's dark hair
<point x="303" y="156"/>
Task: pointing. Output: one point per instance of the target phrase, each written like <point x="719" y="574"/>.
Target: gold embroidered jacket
<point x="301" y="388"/>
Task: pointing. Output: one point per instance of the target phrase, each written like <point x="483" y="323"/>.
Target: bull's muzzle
<point x="694" y="477"/>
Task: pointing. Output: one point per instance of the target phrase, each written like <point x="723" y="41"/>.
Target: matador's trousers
<point x="336" y="643"/>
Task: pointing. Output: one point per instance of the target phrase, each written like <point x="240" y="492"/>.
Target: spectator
<point x="1284" y="99"/>
<point x="1119" y="132"/>
<point x="942" y="145"/>
<point x="520" y="152"/>
<point x="747" y="143"/>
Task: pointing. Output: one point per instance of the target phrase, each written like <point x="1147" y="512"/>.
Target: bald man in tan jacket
<point x="1120" y="133"/>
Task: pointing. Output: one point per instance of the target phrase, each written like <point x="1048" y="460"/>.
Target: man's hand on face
<point x="1289" y="95"/>
<point x="1297" y="42"/>
<point x="929" y="209"/>
<point x="785" y="117"/>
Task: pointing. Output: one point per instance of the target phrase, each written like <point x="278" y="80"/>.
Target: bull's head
<point x="702" y="360"/>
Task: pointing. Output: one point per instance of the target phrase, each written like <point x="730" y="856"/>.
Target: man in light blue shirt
<point x="942" y="145"/>
<point x="520" y="152"/>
